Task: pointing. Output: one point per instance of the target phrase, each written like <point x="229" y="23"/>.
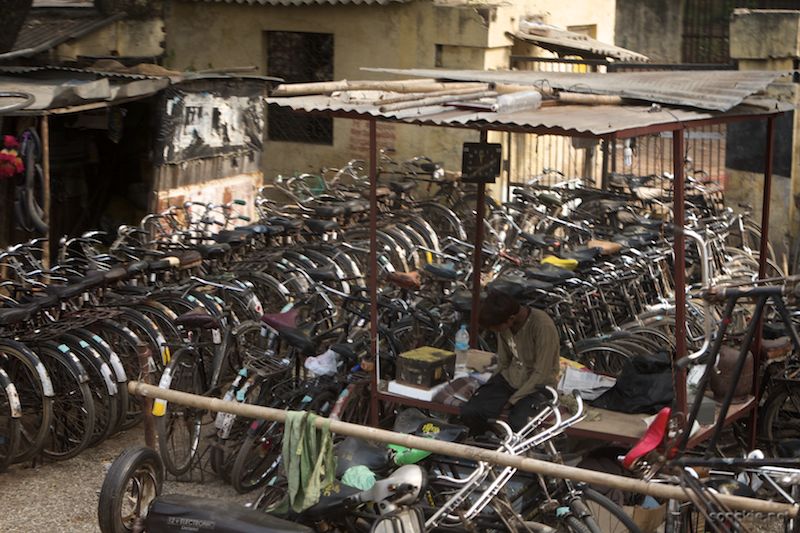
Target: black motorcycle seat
<point x="400" y="187"/>
<point x="197" y="318"/>
<point x="414" y="422"/>
<point x="444" y="271"/>
<point x="358" y="452"/>
<point x="318" y="227"/>
<point x="331" y="501"/>
<point x="179" y="512"/>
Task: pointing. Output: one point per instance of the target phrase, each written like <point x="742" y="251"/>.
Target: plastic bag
<point x="323" y="365"/>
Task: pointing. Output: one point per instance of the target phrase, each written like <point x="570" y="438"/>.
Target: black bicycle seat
<point x="549" y="274"/>
<point x="288" y="224"/>
<point x="14" y="315"/>
<point x="232" y="237"/>
<point x="462" y="301"/>
<point x="65" y="292"/>
<point x="519" y="288"/>
<point x="197" y="318"/>
<point x="322" y="274"/>
<point x="298" y="339"/>
<point x="446" y="271"/>
<point x="401" y="187"/>
<point x="190" y="259"/>
<point x="633" y="241"/>
<point x="177" y="511"/>
<point x="583" y="256"/>
<point x="213" y="251"/>
<point x="138" y="267"/>
<point x="161" y="265"/>
<point x="352" y="207"/>
<point x="346" y="350"/>
<point x="358" y="452"/>
<point x="115" y="274"/>
<point x="414" y="422"/>
<point x="328" y="211"/>
<point x="318" y="227"/>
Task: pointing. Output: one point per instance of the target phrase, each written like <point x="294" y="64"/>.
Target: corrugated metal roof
<point x="566" y="119"/>
<point x="564" y="42"/>
<point x="46" y="28"/>
<point x="306" y="2"/>
<point x="717" y="90"/>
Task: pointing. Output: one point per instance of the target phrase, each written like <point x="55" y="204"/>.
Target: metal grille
<point x="299" y="57"/>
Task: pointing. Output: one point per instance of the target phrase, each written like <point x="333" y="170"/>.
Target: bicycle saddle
<point x="633" y="241"/>
<point x="445" y="271"/>
<point x="190" y="259"/>
<point x="651" y="440"/>
<point x="549" y="274"/>
<point x="115" y="274"/>
<point x="328" y="211"/>
<point x="355" y="206"/>
<point x="14" y="315"/>
<point x="197" y="318"/>
<point x="162" y="265"/>
<point x="281" y="320"/>
<point x="91" y="280"/>
<point x="298" y="339"/>
<point x="550" y="199"/>
<point x="322" y="274"/>
<point x="178" y="512"/>
<point x="462" y="301"/>
<point x="606" y="247"/>
<point x="566" y="264"/>
<point x="213" y="251"/>
<point x="405" y="280"/>
<point x="583" y="256"/>
<point x="331" y="500"/>
<point x="414" y="422"/>
<point x="346" y="351"/>
<point x="319" y="227"/>
<point x="138" y="267"/>
<point x="400" y="187"/>
<point x="288" y="224"/>
<point x="232" y="237"/>
<point x="358" y="452"/>
<point x="540" y="240"/>
<point x="65" y="292"/>
<point x="519" y="288"/>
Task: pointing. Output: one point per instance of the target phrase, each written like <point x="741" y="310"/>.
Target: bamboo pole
<point x="418" y="95"/>
<point x="44" y="135"/>
<point x="437" y="100"/>
<point x="588" y="99"/>
<point x="400" y="86"/>
<point x="463" y="451"/>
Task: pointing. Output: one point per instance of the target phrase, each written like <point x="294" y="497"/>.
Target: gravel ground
<point x="62" y="497"/>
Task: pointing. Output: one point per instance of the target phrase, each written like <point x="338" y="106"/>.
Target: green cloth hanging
<point x="308" y="459"/>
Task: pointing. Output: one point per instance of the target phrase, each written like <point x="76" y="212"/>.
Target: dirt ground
<point x="62" y="497"/>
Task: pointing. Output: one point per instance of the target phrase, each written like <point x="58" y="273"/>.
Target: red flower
<point x="10" y="163"/>
<point x="9" y="141"/>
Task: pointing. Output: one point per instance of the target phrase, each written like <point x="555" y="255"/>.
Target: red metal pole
<point x="763" y="254"/>
<point x="477" y="261"/>
<point x="373" y="269"/>
<point x="679" y="375"/>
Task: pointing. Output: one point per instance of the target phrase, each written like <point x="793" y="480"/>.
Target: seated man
<point x="528" y="356"/>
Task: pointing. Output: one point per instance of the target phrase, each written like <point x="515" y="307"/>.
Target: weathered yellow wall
<point x="204" y="35"/>
<point x="134" y="38"/>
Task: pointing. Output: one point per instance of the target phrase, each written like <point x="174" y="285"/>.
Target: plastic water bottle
<point x="462" y="345"/>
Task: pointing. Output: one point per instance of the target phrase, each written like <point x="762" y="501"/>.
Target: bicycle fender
<point x="44" y="377"/>
<point x="72" y="360"/>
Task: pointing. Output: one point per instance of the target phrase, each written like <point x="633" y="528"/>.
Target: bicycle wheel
<point x="607" y="515"/>
<point x="101" y="385"/>
<point x="781" y="418"/>
<point x="134" y="480"/>
<point x="179" y="426"/>
<point x="35" y="390"/>
<point x="259" y="455"/>
<point x="10" y="413"/>
<point x="123" y="342"/>
<point x="73" y="406"/>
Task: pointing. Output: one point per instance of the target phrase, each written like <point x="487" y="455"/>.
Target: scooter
<point x="131" y="501"/>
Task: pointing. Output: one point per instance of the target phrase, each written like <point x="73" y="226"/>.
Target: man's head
<point x="498" y="311"/>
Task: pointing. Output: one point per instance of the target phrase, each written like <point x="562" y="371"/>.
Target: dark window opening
<point x="299" y="57"/>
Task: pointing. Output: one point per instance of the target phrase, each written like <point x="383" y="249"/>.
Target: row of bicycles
<point x="205" y="300"/>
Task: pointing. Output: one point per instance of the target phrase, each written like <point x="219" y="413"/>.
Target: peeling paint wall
<point x="240" y="187"/>
<point x="210" y="35"/>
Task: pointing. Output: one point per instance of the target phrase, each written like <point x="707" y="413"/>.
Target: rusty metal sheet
<point x="46" y="28"/>
<point x="575" y="119"/>
<point x="717" y="90"/>
<point x="567" y="42"/>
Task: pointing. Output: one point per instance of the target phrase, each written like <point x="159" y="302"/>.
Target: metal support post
<point x="679" y="375"/>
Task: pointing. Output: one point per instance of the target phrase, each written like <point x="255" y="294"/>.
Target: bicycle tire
<point x="591" y="496"/>
<point x="35" y="390"/>
<point x="774" y="409"/>
<point x="576" y="525"/>
<point x="183" y="374"/>
<point x="10" y="413"/>
<point x="124" y="344"/>
<point x="132" y="471"/>
<point x="73" y="407"/>
<point x="258" y="457"/>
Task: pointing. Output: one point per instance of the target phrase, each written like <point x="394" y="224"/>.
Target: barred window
<point x="299" y="57"/>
